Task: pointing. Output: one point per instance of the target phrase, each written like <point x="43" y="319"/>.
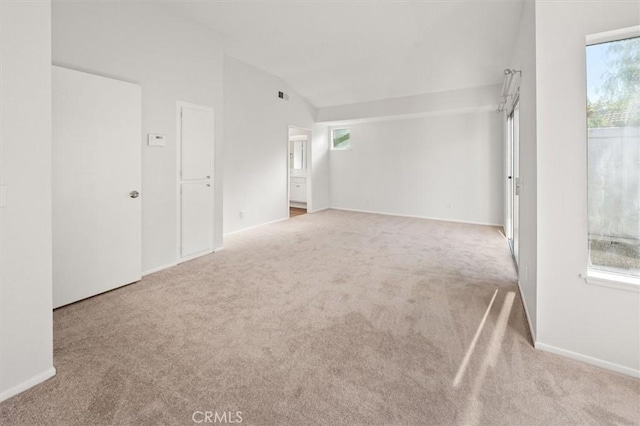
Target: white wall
<point x="173" y="59"/>
<point x="597" y="324"/>
<point x="256" y="144"/>
<point x="525" y="60"/>
<point x="26" y="339"/>
<point x="467" y="99"/>
<point x="447" y="167"/>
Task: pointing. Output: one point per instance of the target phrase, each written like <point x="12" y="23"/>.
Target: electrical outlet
<point x="241" y="214"/>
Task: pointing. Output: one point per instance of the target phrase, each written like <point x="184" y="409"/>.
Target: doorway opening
<point x="298" y="170"/>
<point x="513" y="179"/>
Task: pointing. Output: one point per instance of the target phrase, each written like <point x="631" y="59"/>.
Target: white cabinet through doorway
<point x="298" y="189"/>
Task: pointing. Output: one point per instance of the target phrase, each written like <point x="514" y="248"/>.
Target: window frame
<point x="593" y="276"/>
<point x="333" y="129"/>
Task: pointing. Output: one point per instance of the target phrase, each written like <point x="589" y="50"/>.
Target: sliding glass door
<point x="513" y="179"/>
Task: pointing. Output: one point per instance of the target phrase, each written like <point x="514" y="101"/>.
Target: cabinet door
<point x="299" y="192"/>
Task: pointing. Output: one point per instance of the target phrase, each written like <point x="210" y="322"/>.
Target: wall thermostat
<point x="156" y="139"/>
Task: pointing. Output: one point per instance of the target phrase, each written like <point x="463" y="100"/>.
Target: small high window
<point x="340" y="139"/>
<point x="613" y="126"/>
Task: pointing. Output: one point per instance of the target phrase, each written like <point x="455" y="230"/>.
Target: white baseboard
<point x="255" y="226"/>
<point x="319" y="210"/>
<point x="441" y="219"/>
<point x="194" y="256"/>
<point x="588" y="359"/>
<point x="159" y="268"/>
<point x="532" y="330"/>
<point x="37" y="379"/>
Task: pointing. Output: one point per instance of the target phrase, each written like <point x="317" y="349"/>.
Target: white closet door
<point x="96" y="169"/>
<point x="197" y="143"/>
<point x="196" y="191"/>
<point x="197" y="214"/>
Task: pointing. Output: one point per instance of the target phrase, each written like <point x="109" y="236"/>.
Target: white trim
<point x="35" y="380"/>
<point x="611" y="280"/>
<point x="441" y="219"/>
<point x="614" y="35"/>
<point x="588" y="359"/>
<point x="288" y="166"/>
<point x="532" y="330"/>
<point x="159" y="268"/>
<point x="317" y="211"/>
<point x="306" y="129"/>
<point x="195" y="256"/>
<point x="256" y="226"/>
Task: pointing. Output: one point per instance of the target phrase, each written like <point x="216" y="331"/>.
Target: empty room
<point x="305" y="212"/>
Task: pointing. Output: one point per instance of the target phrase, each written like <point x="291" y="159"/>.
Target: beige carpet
<point x="332" y="318"/>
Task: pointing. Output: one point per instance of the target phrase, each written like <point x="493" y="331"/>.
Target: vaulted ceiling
<point x="341" y="52"/>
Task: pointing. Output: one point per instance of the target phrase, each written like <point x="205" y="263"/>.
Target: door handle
<point x="134" y="194"/>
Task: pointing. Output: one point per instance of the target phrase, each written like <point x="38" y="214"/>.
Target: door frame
<point x="179" y="106"/>
<point x="309" y="169"/>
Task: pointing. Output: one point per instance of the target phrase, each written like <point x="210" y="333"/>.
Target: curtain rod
<point x="506" y="85"/>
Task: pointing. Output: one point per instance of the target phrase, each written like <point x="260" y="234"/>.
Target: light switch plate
<point x="3" y="195"/>
<point x="156" y="139"/>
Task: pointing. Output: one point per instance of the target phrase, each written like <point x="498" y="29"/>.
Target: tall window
<point x="613" y="117"/>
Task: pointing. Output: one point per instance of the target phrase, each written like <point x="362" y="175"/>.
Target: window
<point x="340" y="139"/>
<point x="613" y="126"/>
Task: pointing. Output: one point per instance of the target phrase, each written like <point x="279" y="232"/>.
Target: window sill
<point x="610" y="280"/>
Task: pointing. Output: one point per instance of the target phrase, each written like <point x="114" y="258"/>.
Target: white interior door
<point x="96" y="169"/>
<point x="196" y="138"/>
